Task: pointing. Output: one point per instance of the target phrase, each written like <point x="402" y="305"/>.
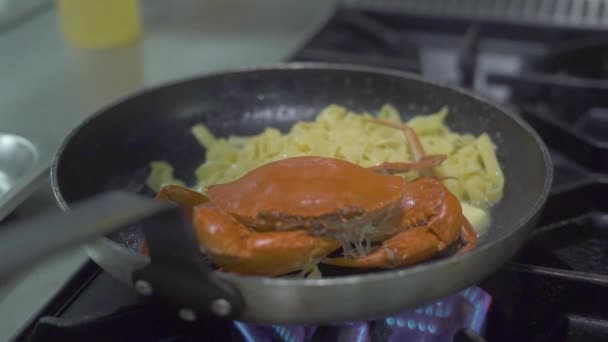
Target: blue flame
<point x="422" y="326"/>
<point x="362" y="335"/>
<point x="442" y="319"/>
<point x="439" y="311"/>
<point x="248" y="332"/>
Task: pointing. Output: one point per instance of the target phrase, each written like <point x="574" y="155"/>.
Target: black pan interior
<point x="112" y="149"/>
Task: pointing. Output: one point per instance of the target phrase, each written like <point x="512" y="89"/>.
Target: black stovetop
<point x="554" y="78"/>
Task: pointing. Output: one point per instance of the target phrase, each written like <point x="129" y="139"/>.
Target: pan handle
<point x="177" y="272"/>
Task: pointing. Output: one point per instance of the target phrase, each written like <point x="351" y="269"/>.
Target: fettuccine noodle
<point x="339" y="133"/>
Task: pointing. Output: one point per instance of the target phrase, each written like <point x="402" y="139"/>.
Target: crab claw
<point x="237" y="248"/>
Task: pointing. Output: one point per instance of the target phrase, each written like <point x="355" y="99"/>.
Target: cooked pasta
<point x="476" y="177"/>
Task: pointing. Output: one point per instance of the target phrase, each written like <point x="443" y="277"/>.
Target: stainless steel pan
<point x="112" y="149"/>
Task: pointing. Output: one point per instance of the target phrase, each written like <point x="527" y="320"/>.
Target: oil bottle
<point x="99" y="23"/>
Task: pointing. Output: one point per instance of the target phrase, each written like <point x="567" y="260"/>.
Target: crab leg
<point x="410" y="134"/>
<point x="236" y="248"/>
<point x="406" y="248"/>
<point x="185" y="198"/>
<point x="469" y="236"/>
<point x="432" y="220"/>
<point x="423" y="162"/>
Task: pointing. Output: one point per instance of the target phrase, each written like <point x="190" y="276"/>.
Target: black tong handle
<point x="176" y="274"/>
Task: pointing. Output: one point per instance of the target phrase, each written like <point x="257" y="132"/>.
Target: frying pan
<point x="112" y="149"/>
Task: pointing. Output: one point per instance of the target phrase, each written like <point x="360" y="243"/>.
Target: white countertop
<point x="47" y="88"/>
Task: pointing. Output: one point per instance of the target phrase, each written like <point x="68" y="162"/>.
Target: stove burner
<point x="582" y="59"/>
<point x="594" y="123"/>
<point x="578" y="71"/>
<point x="572" y="76"/>
<point x="459" y="317"/>
<point x="582" y="141"/>
<point x="564" y="95"/>
<point x="356" y="38"/>
<point x="439" y="321"/>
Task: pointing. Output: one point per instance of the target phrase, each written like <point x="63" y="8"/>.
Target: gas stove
<point x="552" y="76"/>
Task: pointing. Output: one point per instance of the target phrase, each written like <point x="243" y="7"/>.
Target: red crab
<point x="294" y="212"/>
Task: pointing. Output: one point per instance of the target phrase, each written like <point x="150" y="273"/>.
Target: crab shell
<point x="327" y="196"/>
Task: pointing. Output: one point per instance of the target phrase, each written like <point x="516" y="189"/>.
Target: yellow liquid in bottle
<point x="99" y="23"/>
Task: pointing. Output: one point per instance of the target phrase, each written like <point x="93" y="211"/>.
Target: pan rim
<point x="384" y="275"/>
